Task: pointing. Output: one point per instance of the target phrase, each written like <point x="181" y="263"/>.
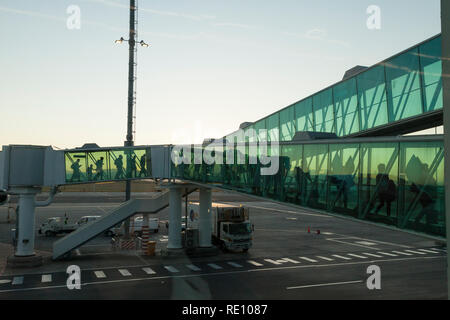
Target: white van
<point x="136" y="226"/>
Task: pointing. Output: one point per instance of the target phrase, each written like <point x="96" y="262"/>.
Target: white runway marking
<point x="273" y="262"/>
<point x="193" y="267"/>
<point x="325" y="285"/>
<point x="291" y="260"/>
<point x="5" y="281"/>
<point x="224" y="273"/>
<point x="308" y="259"/>
<point x="256" y="264"/>
<point x="46" y="278"/>
<point x="100" y="274"/>
<point x="171" y="269"/>
<point x="125" y="272"/>
<point x="387" y="254"/>
<point x="214" y="266"/>
<point x="416" y="252"/>
<point x="429" y="251"/>
<point x="357" y="256"/>
<point x="236" y="265"/>
<point x="341" y="257"/>
<point x="148" y="270"/>
<point x="372" y="255"/>
<point x="17" y="281"/>
<point x="325" y="258"/>
<point x="402" y="253"/>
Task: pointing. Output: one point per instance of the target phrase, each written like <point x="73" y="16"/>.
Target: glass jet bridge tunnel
<point x="394" y="181"/>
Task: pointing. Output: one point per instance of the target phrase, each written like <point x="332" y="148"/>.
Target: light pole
<point x="132" y="65"/>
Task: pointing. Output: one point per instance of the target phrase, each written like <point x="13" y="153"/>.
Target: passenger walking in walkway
<point x="386" y="190"/>
<point x="119" y="167"/>
<point x="76" y="176"/>
<point x="143" y="162"/>
<point x="99" y="169"/>
<point x="90" y="172"/>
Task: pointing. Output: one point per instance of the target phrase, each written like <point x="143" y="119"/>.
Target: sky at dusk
<point x="211" y="64"/>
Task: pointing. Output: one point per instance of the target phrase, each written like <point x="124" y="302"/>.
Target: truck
<point x="231" y="227"/>
<point x="57" y="225"/>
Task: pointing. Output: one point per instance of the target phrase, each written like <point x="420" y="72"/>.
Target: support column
<point x="445" y="22"/>
<point x="26" y="223"/>
<point x="175" y="218"/>
<point x="205" y="219"/>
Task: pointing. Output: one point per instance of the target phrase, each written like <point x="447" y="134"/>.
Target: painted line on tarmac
<point x="345" y="236"/>
<point x="350" y="243"/>
<point x="325" y="285"/>
<point x="287" y="211"/>
<point x="228" y="273"/>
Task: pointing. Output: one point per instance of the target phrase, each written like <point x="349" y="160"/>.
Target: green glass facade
<point x="393" y="183"/>
<point x="402" y="87"/>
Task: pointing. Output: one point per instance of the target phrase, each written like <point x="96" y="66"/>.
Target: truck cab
<point x="236" y="235"/>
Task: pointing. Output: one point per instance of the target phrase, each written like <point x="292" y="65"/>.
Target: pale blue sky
<point x="212" y="64"/>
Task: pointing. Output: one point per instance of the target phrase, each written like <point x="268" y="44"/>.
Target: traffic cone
<point x="309" y="230"/>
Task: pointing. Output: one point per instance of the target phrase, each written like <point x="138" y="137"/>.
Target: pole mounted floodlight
<point x="132" y="71"/>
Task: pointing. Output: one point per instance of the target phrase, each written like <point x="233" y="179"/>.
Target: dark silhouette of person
<point x="76" y="171"/>
<point x="345" y="181"/>
<point x="386" y="190"/>
<point x="301" y="180"/>
<point x="142" y="163"/>
<point x="119" y="166"/>
<point x="90" y="172"/>
<point x="133" y="167"/>
<point x="99" y="169"/>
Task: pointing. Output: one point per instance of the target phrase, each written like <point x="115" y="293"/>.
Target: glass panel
<point x="98" y="166"/>
<point x="379" y="176"/>
<point x="304" y="115"/>
<point x="346" y="104"/>
<point x="316" y="166"/>
<point x="343" y="177"/>
<point x="431" y="63"/>
<point x="287" y="123"/>
<point x="422" y="188"/>
<point x="76" y="164"/>
<point x="323" y="111"/>
<point x="273" y="127"/>
<point x="403" y="86"/>
<point x="258" y="126"/>
<point x="296" y="182"/>
<point x="372" y="98"/>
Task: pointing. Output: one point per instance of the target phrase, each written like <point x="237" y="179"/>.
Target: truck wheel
<point x="245" y="250"/>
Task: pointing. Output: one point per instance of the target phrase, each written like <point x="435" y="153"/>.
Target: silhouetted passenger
<point x="301" y="180"/>
<point x="119" y="166"/>
<point x="76" y="171"/>
<point x="90" y="172"/>
<point x="133" y="167"/>
<point x="99" y="169"/>
<point x="386" y="190"/>
<point x="142" y="163"/>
